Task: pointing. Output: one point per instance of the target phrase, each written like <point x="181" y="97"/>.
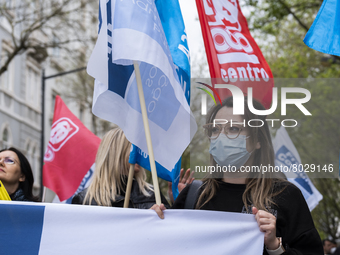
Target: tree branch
<point x="294" y="15"/>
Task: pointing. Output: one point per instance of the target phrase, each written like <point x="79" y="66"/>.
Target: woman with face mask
<point x="277" y="205"/>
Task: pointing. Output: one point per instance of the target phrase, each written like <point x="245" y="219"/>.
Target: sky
<point x="193" y="28"/>
<point x="194" y="34"/>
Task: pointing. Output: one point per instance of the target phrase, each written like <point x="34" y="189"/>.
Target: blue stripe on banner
<point x="21" y="228"/>
<point x="118" y="77"/>
<point x="100" y="19"/>
<point x="285" y="157"/>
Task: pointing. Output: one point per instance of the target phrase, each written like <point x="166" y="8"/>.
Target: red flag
<point x="232" y="53"/>
<point x="70" y="153"/>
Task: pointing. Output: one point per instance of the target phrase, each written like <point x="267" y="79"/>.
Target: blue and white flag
<point x="83" y="185"/>
<point x="132" y="31"/>
<point x="324" y="34"/>
<point x="174" y="29"/>
<point x="54" y="229"/>
<point x="287" y="155"/>
<point x="142" y="158"/>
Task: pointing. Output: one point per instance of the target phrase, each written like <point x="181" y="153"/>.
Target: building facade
<point x="21" y="84"/>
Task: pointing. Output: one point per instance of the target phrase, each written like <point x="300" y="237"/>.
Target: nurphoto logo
<point x="238" y="102"/>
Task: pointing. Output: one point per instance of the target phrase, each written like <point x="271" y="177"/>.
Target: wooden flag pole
<point x="129" y="185"/>
<point x="147" y="133"/>
<point x="43" y="195"/>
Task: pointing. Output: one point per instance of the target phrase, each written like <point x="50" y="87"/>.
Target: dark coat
<point x="19" y="195"/>
<point x="137" y="199"/>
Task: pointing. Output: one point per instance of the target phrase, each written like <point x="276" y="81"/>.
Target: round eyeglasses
<point x="8" y="161"/>
<point x="214" y="130"/>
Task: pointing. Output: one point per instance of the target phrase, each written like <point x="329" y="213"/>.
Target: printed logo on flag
<point x="232" y="53"/>
<point x="231" y="43"/>
<point x="131" y="32"/>
<point x="62" y="130"/>
<point x="49" y="155"/>
<point x="285" y="157"/>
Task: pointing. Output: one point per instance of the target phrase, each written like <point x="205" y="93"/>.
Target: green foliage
<point x="269" y="16"/>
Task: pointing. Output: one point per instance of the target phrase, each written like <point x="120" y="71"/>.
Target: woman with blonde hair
<point x="111" y="174"/>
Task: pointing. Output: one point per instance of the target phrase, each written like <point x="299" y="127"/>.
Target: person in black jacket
<point x="111" y="174"/>
<point x="16" y="175"/>
<point x="278" y="206"/>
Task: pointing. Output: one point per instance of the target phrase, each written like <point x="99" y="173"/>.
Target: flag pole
<point x="129" y="185"/>
<point x="147" y="133"/>
<point x="43" y="195"/>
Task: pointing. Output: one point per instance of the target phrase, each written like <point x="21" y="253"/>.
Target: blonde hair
<point x="111" y="170"/>
<point x="260" y="188"/>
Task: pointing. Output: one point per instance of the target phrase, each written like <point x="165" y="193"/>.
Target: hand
<point x="159" y="210"/>
<point x="267" y="224"/>
<point x="184" y="180"/>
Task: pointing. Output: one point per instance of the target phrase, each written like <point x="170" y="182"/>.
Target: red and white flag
<point x="70" y="153"/>
<point x="232" y="53"/>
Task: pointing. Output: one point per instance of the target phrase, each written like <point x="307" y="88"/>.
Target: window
<point x="33" y="158"/>
<point x="56" y="49"/>
<point x="8" y="3"/>
<point x="28" y="150"/>
<point x="7" y="79"/>
<point x="32" y="85"/>
<point x="35" y="167"/>
<point x="6" y="139"/>
<point x="5" y="135"/>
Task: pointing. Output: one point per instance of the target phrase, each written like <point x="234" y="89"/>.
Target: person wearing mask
<point x="329" y="246"/>
<point x="277" y="205"/>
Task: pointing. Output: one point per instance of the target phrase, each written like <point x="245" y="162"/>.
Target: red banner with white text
<point x="232" y="53"/>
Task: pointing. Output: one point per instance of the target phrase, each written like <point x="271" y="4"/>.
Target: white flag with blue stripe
<point x="132" y="31"/>
<point x="286" y="155"/>
<point x="53" y="229"/>
<point x="174" y="29"/>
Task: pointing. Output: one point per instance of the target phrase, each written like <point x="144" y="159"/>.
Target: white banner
<point x="48" y="229"/>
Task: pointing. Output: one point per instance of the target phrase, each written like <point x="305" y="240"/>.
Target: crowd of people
<point x="277" y="205"/>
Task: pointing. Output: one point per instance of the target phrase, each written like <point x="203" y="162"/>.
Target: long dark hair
<point x="259" y="187"/>
<point x="25" y="167"/>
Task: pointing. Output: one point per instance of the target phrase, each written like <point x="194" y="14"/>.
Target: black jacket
<point x="19" y="195"/>
<point x="137" y="199"/>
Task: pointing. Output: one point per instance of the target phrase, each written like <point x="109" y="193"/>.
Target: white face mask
<point x="231" y="152"/>
<point x="333" y="250"/>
